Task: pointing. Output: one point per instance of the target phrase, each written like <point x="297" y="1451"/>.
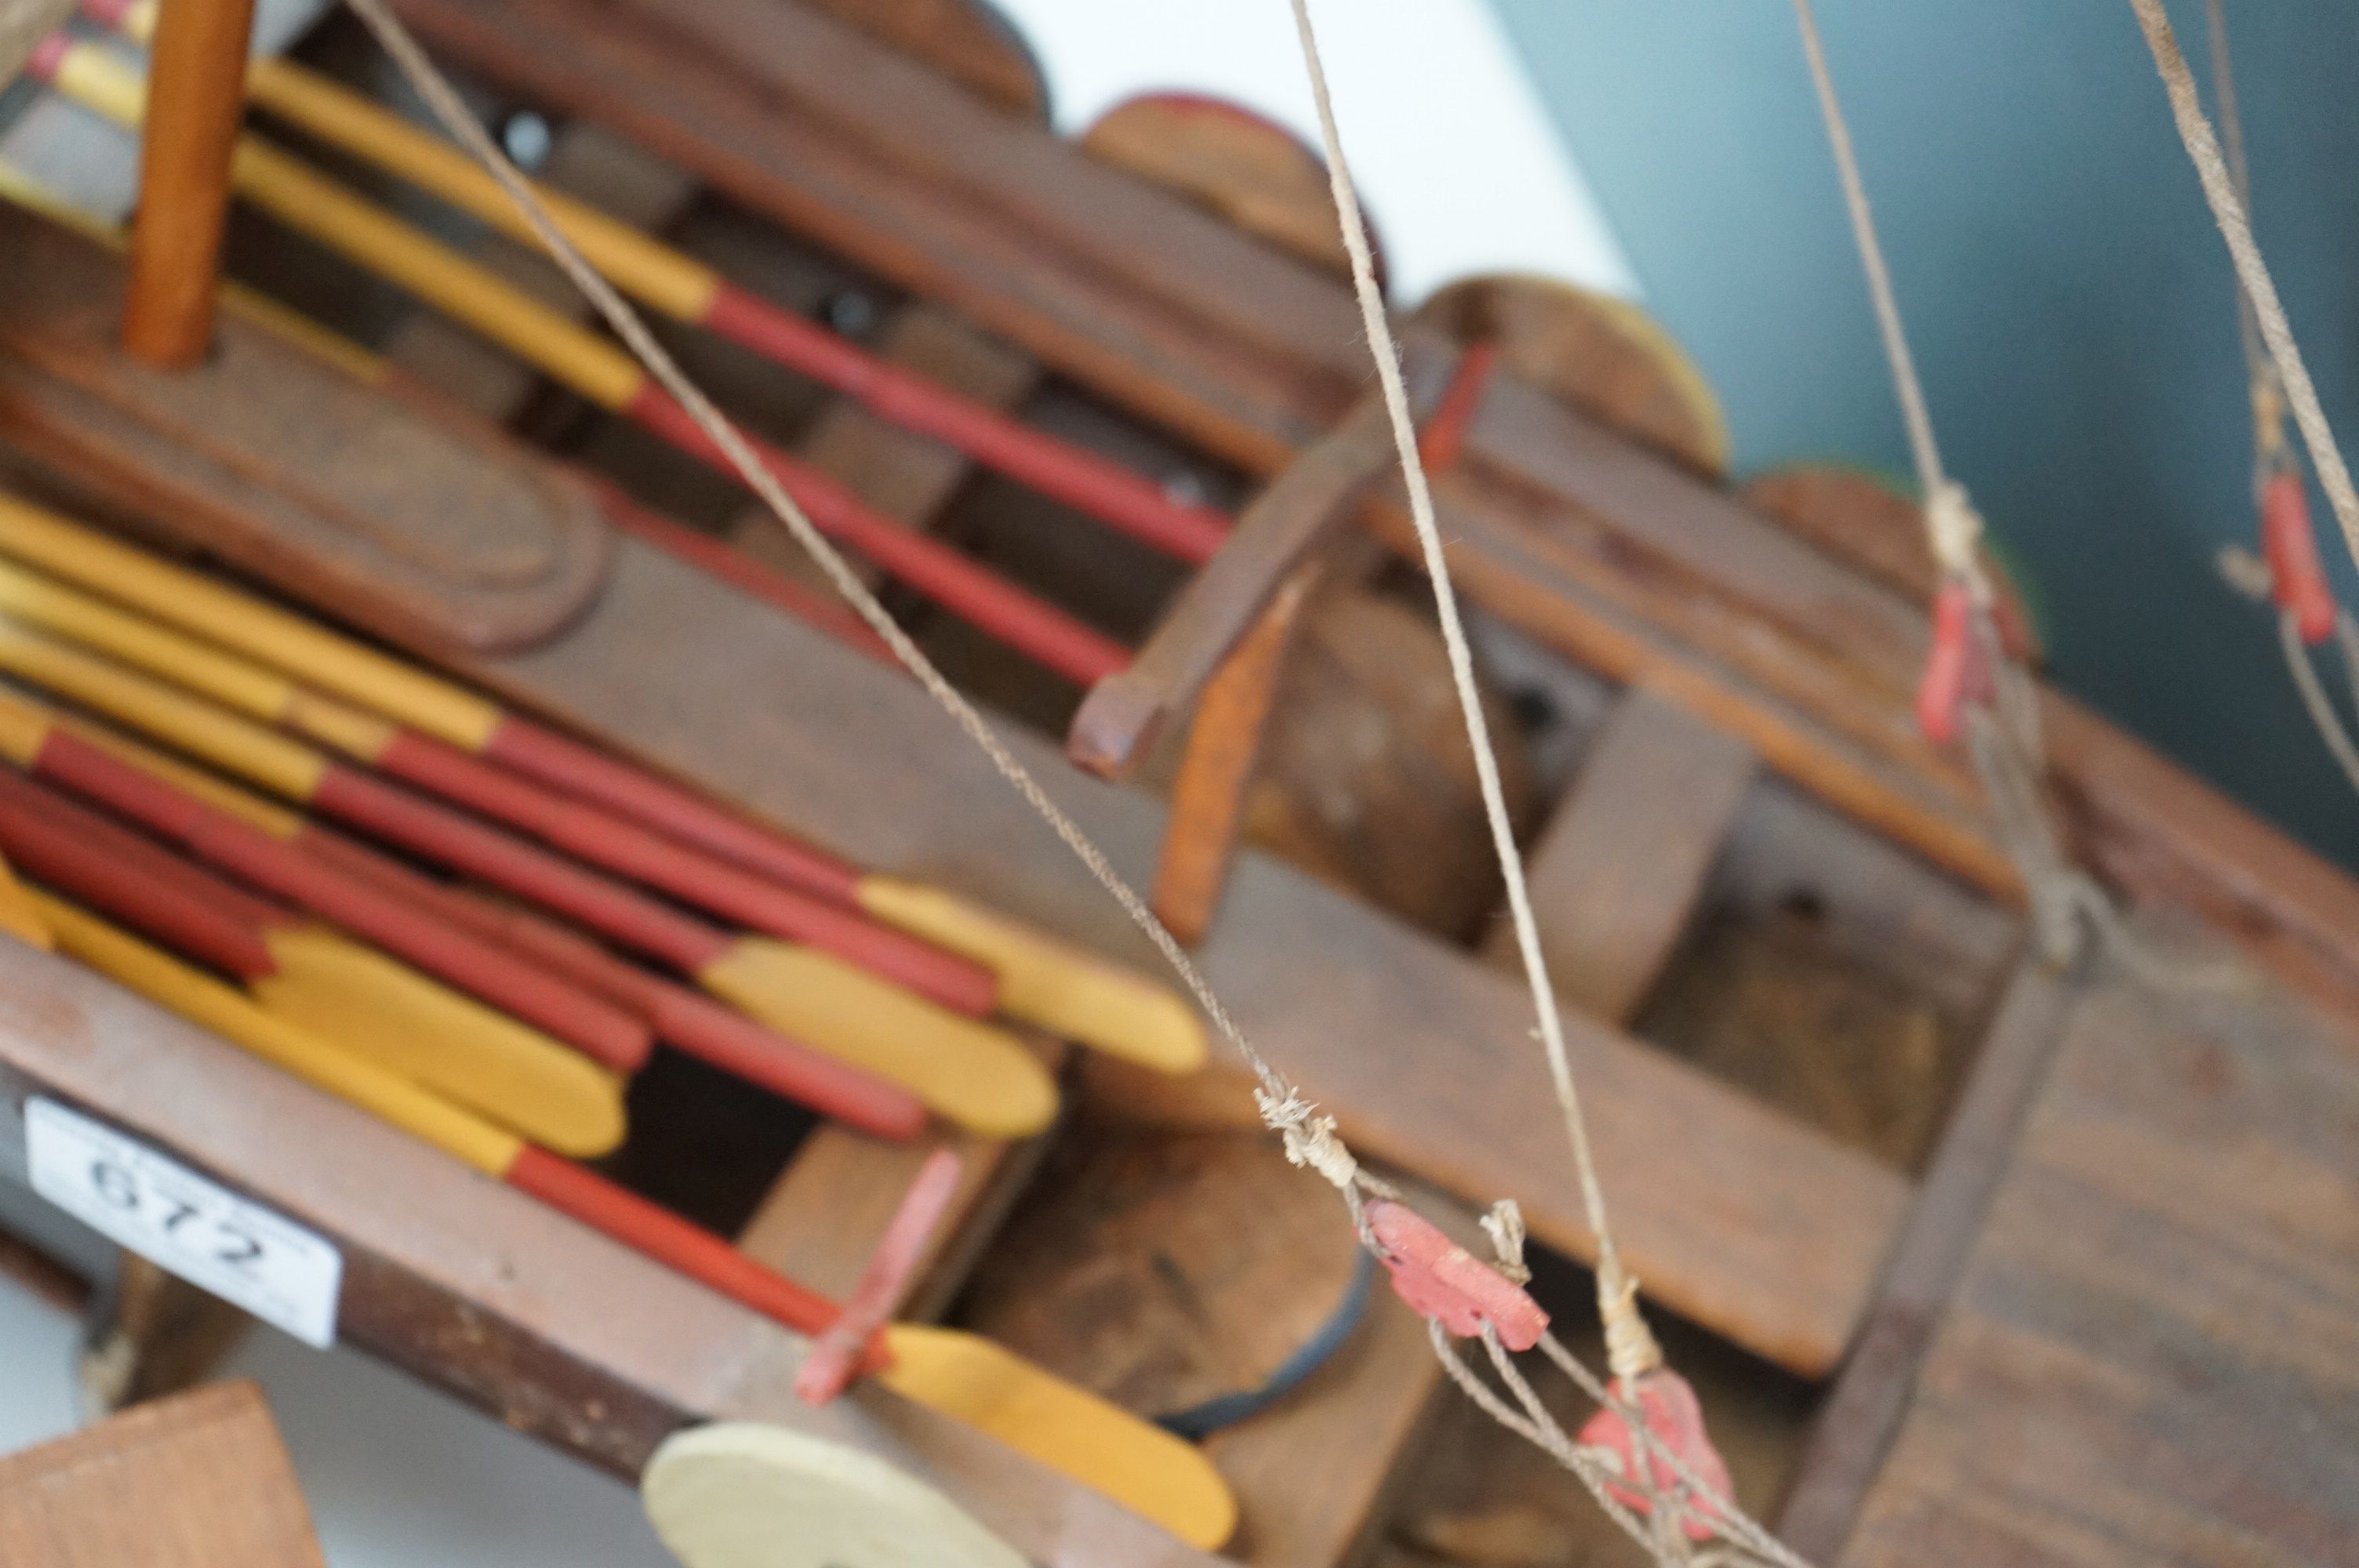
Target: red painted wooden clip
<point x="1955" y="671"/>
<point x="847" y="1347"/>
<point x="1442" y="1281"/>
<point x="2288" y="542"/>
<point x="1674" y="1418"/>
<point x="1443" y="439"/>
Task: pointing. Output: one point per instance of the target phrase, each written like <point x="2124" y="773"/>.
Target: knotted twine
<point x="1309" y="1138"/>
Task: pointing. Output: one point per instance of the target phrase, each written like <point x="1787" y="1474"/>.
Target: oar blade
<point x="1071" y="994"/>
<point x="970" y="1074"/>
<point x="1070" y="1429"/>
<point x="378" y="1008"/>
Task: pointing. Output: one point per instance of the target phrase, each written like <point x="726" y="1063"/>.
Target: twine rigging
<point x="1310" y="1138"/>
<point x="1632" y="1347"/>
<point x="2228" y="209"/>
<point x="2271" y="453"/>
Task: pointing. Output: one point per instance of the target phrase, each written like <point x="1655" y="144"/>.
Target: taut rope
<point x="1310" y="1138"/>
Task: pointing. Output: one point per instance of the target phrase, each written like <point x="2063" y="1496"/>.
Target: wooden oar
<point x="977" y="1075"/>
<point x="18" y="918"/>
<point x="316" y="977"/>
<point x="689" y="1020"/>
<point x="588" y="832"/>
<point x="594" y="367"/>
<point x="966" y="1378"/>
<point x="1071" y="993"/>
<point x="31" y="738"/>
<point x="685" y="289"/>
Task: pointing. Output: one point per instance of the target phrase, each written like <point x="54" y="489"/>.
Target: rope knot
<point x="1630" y="1347"/>
<point x="1955" y="529"/>
<point x="1310" y="1138"/>
<point x="1505" y="1225"/>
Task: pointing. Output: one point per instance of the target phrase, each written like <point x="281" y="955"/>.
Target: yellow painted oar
<point x="18" y="918"/>
<point x="705" y="883"/>
<point x="961" y="1375"/>
<point x="1073" y="994"/>
<point x="478" y="1056"/>
<point x="979" y="1076"/>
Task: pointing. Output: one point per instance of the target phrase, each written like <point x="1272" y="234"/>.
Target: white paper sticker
<point x="158" y="1207"/>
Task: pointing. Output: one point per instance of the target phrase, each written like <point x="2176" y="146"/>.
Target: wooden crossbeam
<point x="1618" y="870"/>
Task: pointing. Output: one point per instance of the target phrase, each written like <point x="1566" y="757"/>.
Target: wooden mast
<point x="196" y="94"/>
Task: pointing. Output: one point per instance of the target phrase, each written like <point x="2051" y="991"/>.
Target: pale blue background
<point x="2069" y="301"/>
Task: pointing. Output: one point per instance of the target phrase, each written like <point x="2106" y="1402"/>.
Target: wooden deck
<point x="2153" y="1355"/>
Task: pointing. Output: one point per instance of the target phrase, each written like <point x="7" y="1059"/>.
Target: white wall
<point x="1458" y="164"/>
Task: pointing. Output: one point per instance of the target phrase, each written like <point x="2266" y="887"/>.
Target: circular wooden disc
<point x="1604" y="356"/>
<point x="744" y="1495"/>
<point x="967" y="41"/>
<point x="1248" y="168"/>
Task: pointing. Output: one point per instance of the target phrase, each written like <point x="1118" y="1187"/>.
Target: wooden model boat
<point x="1970" y="1256"/>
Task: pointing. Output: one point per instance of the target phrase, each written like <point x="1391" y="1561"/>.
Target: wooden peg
<point x="196" y="94"/>
<point x="1208" y="798"/>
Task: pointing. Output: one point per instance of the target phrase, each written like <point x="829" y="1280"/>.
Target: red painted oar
<point x="306" y="974"/>
<point x="464" y="844"/>
<point x="959" y="1375"/>
<point x="179" y="597"/>
<point x="977" y="1075"/>
<point x="730" y="565"/>
<point x="688" y="290"/>
<point x="29" y="739"/>
<point x="695" y="1024"/>
<point x="184" y="624"/>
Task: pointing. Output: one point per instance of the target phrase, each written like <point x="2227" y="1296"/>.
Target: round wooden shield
<point x="746" y="1495"/>
<point x="1604" y="356"/>
<point x="1248" y="168"/>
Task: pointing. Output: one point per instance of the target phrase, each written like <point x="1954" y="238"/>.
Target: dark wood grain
<point x="341" y="492"/>
<point x="2153" y="1356"/>
<point x="1617" y="873"/>
<point x="1854" y="1428"/>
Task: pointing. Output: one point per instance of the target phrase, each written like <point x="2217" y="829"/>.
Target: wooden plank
<point x="443" y="528"/>
<point x="202" y="1480"/>
<point x="1208" y="795"/>
<point x="1122" y="716"/>
<point x="1421" y="1052"/>
<point x="478" y="1289"/>
<point x="1855" y="1426"/>
<point x="1617" y="873"/>
<point x="2153" y="1356"/>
